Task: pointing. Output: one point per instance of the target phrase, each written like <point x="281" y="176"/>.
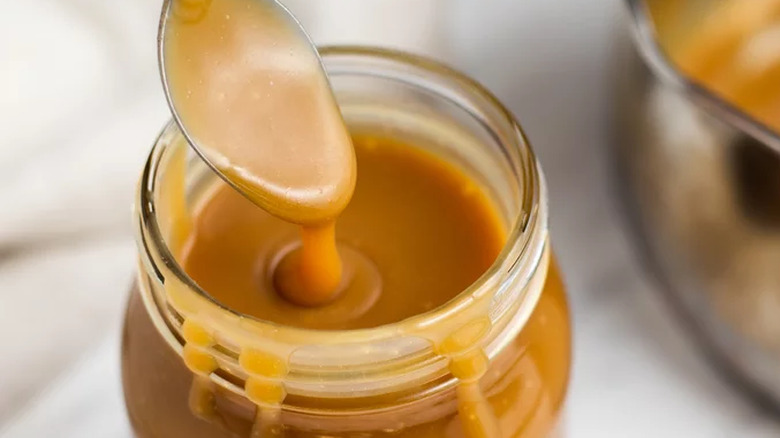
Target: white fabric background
<point x="80" y="105"/>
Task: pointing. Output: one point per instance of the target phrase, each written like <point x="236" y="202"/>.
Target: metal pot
<point x="701" y="180"/>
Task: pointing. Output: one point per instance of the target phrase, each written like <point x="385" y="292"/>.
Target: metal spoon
<point x="168" y="10"/>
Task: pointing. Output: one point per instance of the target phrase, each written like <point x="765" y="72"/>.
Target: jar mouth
<point x="518" y="237"/>
<point x="507" y="291"/>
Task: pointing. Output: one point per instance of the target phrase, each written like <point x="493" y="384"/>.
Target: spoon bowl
<point x="248" y="90"/>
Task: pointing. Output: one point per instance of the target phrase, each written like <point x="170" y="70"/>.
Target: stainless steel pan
<point x="701" y="180"/>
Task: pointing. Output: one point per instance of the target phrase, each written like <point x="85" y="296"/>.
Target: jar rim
<point x="517" y="240"/>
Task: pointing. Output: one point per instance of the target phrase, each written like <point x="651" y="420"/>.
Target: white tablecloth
<point x="80" y="105"/>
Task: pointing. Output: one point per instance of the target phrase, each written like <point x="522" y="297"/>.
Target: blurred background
<point x="81" y="104"/>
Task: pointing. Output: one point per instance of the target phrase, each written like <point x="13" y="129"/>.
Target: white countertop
<point x="81" y="104"/>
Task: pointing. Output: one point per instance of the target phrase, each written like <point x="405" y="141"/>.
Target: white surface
<point x="71" y="148"/>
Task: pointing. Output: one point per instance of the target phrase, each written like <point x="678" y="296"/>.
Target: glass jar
<point x="494" y="361"/>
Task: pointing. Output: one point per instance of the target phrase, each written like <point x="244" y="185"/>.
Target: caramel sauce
<point x="419" y="222"/>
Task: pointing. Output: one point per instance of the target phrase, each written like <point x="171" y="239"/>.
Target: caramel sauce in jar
<point x="453" y="322"/>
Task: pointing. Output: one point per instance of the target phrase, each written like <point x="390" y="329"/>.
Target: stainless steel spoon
<point x="165" y="17"/>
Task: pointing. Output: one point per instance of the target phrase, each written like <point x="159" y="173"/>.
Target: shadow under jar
<point x="493" y="361"/>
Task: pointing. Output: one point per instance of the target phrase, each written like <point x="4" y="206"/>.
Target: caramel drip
<point x="310" y="275"/>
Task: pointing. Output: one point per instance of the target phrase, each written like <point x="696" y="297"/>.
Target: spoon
<point x="248" y="90"/>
